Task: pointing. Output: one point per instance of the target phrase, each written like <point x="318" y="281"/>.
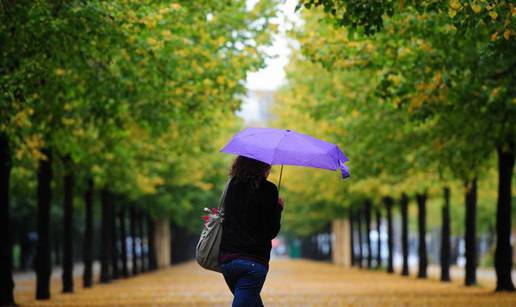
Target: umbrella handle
<point x="281" y="172"/>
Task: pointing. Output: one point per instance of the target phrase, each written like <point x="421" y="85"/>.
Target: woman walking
<point x="252" y="213"/>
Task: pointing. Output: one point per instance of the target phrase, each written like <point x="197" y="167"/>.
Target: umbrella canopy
<point x="287" y="147"/>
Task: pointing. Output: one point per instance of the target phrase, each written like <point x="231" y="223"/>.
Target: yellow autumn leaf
<point x="493" y="15"/>
<point x="19" y="153"/>
<point x="476" y="8"/>
<point x="152" y="41"/>
<point x="395" y="79"/>
<point x="455" y="4"/>
<point x="207" y="82"/>
<point x="437" y="77"/>
<point x="67" y="121"/>
<point x="507" y="34"/>
<point x="59" y="72"/>
<point x="21" y="119"/>
<point x="167" y="35"/>
<point x="495" y="92"/>
<point x="494" y="36"/>
<point x="416" y="102"/>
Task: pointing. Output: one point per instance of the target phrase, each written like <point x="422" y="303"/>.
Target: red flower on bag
<point x="213" y="212"/>
<point x="206" y="218"/>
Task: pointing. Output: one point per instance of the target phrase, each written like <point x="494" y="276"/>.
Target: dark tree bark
<point x="368" y="232"/>
<point x="133" y="240"/>
<point x="445" y="237"/>
<point x="141" y="234"/>
<point x="379" y="241"/>
<point x="123" y="243"/>
<point x="105" y="253"/>
<point x="173" y="241"/>
<point x="87" y="278"/>
<point x="6" y="275"/>
<point x="153" y="264"/>
<point x="43" y="261"/>
<point x="68" y="184"/>
<point x="503" y="253"/>
<point x="404" y="233"/>
<point x="359" y="227"/>
<point x="471" y="240"/>
<point x="388" y="201"/>
<point x="422" y="255"/>
<point x="351" y="237"/>
<point x="115" y="272"/>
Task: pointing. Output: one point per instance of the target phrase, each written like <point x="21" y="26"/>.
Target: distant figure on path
<point x="252" y="216"/>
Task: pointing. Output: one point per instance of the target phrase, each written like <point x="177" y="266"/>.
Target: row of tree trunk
<point x="361" y="215"/>
<point x="114" y="250"/>
<point x="357" y="217"/>
<point x="318" y="246"/>
<point x="114" y="261"/>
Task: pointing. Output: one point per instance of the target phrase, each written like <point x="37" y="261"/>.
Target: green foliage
<point x="420" y="104"/>
<point x="139" y="94"/>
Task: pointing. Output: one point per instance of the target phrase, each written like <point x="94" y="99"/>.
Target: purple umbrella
<point x="287" y="147"/>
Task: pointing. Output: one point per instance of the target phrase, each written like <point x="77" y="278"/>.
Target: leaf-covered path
<point x="290" y="283"/>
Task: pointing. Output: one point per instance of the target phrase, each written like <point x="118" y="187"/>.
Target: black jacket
<point x="251" y="220"/>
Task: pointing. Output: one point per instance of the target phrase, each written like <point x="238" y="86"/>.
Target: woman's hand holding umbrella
<point x="281" y="202"/>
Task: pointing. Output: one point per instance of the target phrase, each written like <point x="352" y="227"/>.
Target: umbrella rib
<point x="277" y="146"/>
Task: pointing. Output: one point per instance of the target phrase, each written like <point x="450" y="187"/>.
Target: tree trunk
<point x="368" y="232"/>
<point x="503" y="253"/>
<point x="87" y="278"/>
<point x="360" y="249"/>
<point x="173" y="242"/>
<point x="141" y="234"/>
<point x="404" y="233"/>
<point x="105" y="253"/>
<point x="112" y="233"/>
<point x="152" y="265"/>
<point x="351" y="237"/>
<point x="471" y="248"/>
<point x="423" y="262"/>
<point x="390" y="238"/>
<point x="123" y="243"/>
<point x="379" y="240"/>
<point x="6" y="275"/>
<point x="43" y="261"/>
<point x="133" y="240"/>
<point x="68" y="185"/>
<point x="445" y="237"/>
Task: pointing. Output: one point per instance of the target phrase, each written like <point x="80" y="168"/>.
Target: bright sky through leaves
<point x="273" y="75"/>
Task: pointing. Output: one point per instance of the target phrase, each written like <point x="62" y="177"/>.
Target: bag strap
<point x="223" y="197"/>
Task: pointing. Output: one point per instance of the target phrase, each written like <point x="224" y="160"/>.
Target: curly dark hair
<point x="249" y="171"/>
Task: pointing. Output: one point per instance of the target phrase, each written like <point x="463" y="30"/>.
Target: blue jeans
<point x="245" y="279"/>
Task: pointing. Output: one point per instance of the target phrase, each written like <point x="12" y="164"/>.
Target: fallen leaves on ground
<point x="289" y="283"/>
